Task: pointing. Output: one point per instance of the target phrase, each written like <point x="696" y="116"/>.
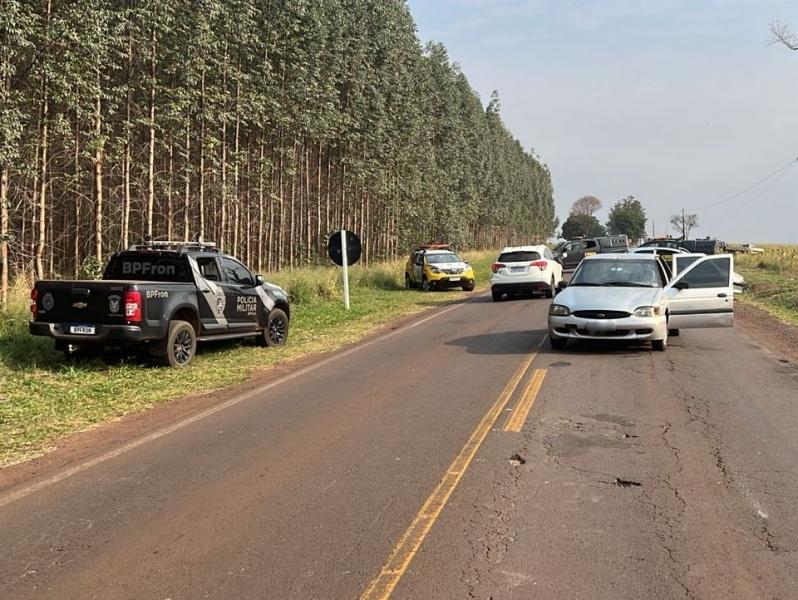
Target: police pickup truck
<point x="165" y="297"/>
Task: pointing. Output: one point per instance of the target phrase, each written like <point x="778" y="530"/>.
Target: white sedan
<point x="629" y="297"/>
<point x="523" y="270"/>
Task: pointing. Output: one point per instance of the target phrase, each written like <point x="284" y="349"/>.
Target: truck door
<point x="702" y="294"/>
<point x="573" y="254"/>
<point x="211" y="298"/>
<point x="418" y="267"/>
<point x="242" y="299"/>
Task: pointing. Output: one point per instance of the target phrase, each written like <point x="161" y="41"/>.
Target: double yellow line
<point x="383" y="585"/>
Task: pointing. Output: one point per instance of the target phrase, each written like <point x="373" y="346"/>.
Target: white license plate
<point x="454" y="279"/>
<point x="517" y="269"/>
<point x="81" y="329"/>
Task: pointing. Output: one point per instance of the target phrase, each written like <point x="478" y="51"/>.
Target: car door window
<point x="236" y="273"/>
<point x="709" y="274"/>
<point x="209" y="268"/>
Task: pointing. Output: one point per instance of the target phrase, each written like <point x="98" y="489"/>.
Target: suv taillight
<point x="540" y="264"/>
<point x="34" y="302"/>
<point x="133" y="306"/>
<point x="495" y="267"/>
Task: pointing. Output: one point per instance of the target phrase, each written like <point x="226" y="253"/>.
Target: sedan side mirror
<point x="681" y="285"/>
<point x="561" y="286"/>
<point x="259" y="280"/>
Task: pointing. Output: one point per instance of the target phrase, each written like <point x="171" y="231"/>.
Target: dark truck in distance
<point x="570" y="253"/>
<point x="164" y="297"/>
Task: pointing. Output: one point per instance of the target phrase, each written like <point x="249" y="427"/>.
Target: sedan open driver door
<point x="702" y="294"/>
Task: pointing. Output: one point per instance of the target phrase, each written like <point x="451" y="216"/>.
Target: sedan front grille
<point x="601" y="314"/>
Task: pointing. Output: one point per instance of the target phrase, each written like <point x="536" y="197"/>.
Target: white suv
<point x="525" y="269"/>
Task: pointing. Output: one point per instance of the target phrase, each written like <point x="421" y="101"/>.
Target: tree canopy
<point x="586" y="205"/>
<point x="582" y="226"/>
<point x="628" y="217"/>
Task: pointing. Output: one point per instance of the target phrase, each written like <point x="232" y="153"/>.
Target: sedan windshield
<point x="444" y="257"/>
<point x="618" y="273"/>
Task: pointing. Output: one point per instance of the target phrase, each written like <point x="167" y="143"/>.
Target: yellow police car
<point x="435" y="267"/>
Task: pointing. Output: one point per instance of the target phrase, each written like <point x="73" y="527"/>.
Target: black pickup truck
<point x="165" y="297"/>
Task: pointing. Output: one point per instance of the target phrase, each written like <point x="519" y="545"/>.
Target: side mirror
<point x="259" y="280"/>
<point x="561" y="286"/>
<point x="681" y="285"/>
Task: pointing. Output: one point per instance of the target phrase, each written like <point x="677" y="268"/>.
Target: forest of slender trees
<point x="262" y="125"/>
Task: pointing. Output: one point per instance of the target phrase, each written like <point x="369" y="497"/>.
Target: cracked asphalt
<point x="636" y="475"/>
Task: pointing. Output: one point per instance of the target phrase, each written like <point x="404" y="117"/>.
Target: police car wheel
<point x="179" y="347"/>
<point x="276" y="331"/>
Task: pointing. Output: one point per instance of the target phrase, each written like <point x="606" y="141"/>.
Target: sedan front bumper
<point x="627" y="328"/>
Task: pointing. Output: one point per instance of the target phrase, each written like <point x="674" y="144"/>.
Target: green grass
<point x="773" y="281"/>
<point x="43" y="398"/>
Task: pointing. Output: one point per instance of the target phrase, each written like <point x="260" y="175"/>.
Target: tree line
<point x="262" y="125"/>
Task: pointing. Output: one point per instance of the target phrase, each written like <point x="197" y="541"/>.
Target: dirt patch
<point x="767" y="330"/>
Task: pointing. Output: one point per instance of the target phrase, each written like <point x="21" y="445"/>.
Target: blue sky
<point x="680" y="103"/>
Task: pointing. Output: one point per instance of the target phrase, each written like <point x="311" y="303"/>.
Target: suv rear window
<point x="519" y="256"/>
<point x="146" y="266"/>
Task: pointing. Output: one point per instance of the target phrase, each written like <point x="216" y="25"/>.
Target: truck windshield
<point x="618" y="273"/>
<point x="443" y="257"/>
<point x="147" y="266"/>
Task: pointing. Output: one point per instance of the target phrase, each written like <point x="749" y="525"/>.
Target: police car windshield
<point x="443" y="257"/>
<point x="618" y="273"/>
<point x="148" y="266"/>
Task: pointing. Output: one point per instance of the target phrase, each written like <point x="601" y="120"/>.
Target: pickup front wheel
<point x="179" y="347"/>
<point x="276" y="331"/>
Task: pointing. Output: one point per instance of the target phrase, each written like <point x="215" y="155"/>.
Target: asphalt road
<point x="446" y="460"/>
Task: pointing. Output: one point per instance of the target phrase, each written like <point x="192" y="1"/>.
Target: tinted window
<point x="710" y="274"/>
<point x="519" y="256"/>
<point x="209" y="269"/>
<point x="148" y="266"/>
<point x="590" y="244"/>
<point x="235" y="272"/>
<point x="618" y="273"/>
<point x="682" y="262"/>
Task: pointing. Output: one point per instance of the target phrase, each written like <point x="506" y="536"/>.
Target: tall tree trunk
<point x="42" y="218"/>
<point x="77" y="192"/>
<point x="260" y="206"/>
<point x="202" y="159"/>
<point x="187" y="189"/>
<point x="98" y="178"/>
<point x="151" y="157"/>
<point x="3" y="236"/>
<point x="170" y="204"/>
<point x="126" y="159"/>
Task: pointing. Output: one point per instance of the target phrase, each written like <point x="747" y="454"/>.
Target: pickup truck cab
<point x="164" y="296"/>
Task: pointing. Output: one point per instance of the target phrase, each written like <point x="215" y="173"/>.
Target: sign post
<point x="344" y="249"/>
<point x="345" y="261"/>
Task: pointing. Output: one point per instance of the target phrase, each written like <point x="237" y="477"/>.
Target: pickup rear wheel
<point x="276" y="331"/>
<point x="179" y="347"/>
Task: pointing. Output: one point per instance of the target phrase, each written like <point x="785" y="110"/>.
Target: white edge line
<point x="27" y="490"/>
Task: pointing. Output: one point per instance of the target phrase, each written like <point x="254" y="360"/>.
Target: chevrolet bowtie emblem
<point x="79" y="305"/>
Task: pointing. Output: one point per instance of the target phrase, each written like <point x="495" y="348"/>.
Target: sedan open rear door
<point x="702" y="294"/>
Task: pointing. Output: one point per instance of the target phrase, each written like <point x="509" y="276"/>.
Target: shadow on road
<point x="522" y="342"/>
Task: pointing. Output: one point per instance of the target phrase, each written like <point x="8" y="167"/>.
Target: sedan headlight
<point x="648" y="311"/>
<point x="558" y="310"/>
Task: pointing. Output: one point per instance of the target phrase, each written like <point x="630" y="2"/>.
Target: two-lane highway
<point x="454" y="458"/>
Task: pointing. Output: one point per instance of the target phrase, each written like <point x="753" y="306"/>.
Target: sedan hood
<point x="607" y="298"/>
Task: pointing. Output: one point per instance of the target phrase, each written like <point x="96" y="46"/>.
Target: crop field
<point x="43" y="397"/>
<point x="773" y="280"/>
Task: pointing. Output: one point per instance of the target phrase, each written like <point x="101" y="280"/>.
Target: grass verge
<point x="772" y="279"/>
<point x="42" y="398"/>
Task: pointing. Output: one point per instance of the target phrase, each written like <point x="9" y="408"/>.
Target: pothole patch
<point x="516" y="460"/>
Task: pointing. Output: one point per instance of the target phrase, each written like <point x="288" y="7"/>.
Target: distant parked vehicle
<point x="436" y="267"/>
<point x="569" y="254"/>
<point x="523" y="270"/>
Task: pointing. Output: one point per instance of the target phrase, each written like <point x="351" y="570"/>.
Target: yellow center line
<point x="518" y="417"/>
<point x="382" y="585"/>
